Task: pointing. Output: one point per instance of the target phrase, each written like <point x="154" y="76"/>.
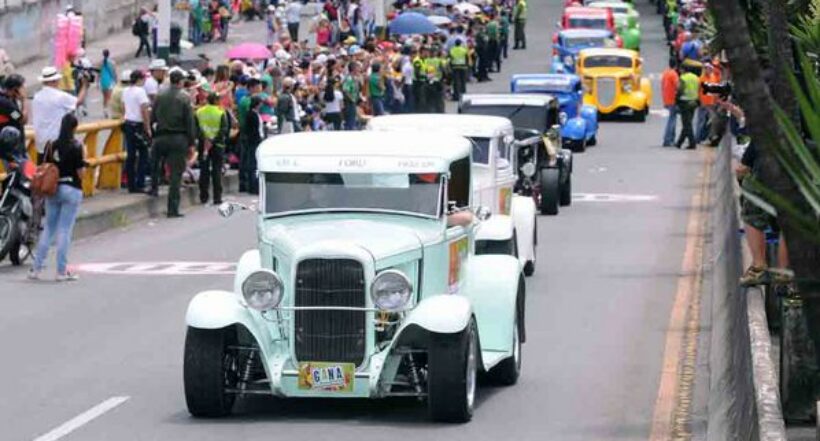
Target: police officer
<point x="483" y="53"/>
<point x="493" y="40"/>
<point x="435" y="81"/>
<point x="458" y="66"/>
<point x="212" y="121"/>
<point x="420" y="80"/>
<point x="520" y="21"/>
<point x="175" y="138"/>
<point x="688" y="89"/>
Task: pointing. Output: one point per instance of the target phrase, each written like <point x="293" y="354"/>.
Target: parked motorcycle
<point x="19" y="215"/>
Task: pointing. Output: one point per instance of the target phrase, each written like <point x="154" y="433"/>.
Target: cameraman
<point x="13" y="108"/>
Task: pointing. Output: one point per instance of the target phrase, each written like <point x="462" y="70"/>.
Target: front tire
<point x="9" y="235"/>
<point x="566" y="193"/>
<point x="21" y="250"/>
<point x="592" y="141"/>
<point x="453" y="375"/>
<point x="641" y="116"/>
<point x="210" y="368"/>
<point x="550" y="191"/>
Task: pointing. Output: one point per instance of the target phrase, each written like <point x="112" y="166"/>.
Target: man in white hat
<point x="50" y="105"/>
<point x="158" y="70"/>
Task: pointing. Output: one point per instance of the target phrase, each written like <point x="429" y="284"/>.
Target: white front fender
<point x="498" y="227"/>
<point x="441" y="314"/>
<point x="216" y="309"/>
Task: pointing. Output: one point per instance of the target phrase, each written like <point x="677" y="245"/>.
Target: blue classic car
<point x="579" y="122"/>
<point x="567" y="43"/>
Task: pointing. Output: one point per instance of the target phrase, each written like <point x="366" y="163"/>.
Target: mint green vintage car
<point x="627" y="21"/>
<point x="364" y="282"/>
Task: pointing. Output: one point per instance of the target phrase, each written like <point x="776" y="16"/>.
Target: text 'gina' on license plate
<point x="330" y="377"/>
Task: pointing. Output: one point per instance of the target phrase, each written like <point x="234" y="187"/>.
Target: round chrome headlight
<point x="391" y="291"/>
<point x="262" y="290"/>
<point x="528" y="169"/>
<point x="568" y="60"/>
<point x="562" y="118"/>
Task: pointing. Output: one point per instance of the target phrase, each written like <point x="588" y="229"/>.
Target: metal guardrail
<point x="104" y="169"/>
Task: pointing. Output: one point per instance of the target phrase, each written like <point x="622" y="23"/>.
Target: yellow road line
<point x="673" y="406"/>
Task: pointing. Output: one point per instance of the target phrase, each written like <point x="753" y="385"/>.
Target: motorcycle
<point x="20" y="215"/>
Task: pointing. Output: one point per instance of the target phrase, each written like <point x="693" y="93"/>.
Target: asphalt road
<point x="598" y="309"/>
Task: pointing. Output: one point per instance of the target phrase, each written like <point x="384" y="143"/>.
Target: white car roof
<point x="361" y="152"/>
<point x="464" y="125"/>
<point x="507" y="99"/>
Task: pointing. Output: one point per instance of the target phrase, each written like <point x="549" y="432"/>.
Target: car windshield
<point x="588" y="22"/>
<point x="616" y="9"/>
<point x="481" y="150"/>
<point x="608" y="61"/>
<point x="543" y="85"/>
<point x="522" y="116"/>
<point x="310" y="192"/>
<point x="584" y="42"/>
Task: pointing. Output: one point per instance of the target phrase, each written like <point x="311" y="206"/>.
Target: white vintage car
<point x="364" y="283"/>
<point x="512" y="229"/>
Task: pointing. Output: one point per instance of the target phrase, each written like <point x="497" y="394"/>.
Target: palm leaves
<point x="806" y="30"/>
<point x="798" y="157"/>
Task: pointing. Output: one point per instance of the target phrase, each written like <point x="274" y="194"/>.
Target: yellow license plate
<point x="328" y="377"/>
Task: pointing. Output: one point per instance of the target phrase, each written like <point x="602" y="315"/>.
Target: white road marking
<point x="609" y="197"/>
<point x="158" y="268"/>
<point x="659" y="112"/>
<point x="82" y="419"/>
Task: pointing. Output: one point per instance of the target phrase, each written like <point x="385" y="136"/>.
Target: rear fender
<point x="492" y="289"/>
<point x="523" y="214"/>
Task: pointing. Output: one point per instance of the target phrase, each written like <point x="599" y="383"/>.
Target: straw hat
<point x="49" y="74"/>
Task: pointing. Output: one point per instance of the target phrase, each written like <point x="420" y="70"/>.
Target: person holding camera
<point x="13" y="109"/>
<point x="50" y="105"/>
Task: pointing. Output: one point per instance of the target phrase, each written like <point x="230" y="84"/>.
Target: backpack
<point x="47" y="176"/>
<point x="138" y="28"/>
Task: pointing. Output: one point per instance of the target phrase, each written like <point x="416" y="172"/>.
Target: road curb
<point x="94" y="223"/>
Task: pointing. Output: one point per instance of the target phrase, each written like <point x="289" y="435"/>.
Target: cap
<point x="158" y="64"/>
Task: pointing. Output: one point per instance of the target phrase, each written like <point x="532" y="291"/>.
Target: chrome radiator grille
<point x="330" y="335"/>
<point x="605" y="88"/>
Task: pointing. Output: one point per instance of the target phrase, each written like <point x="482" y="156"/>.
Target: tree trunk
<point x="753" y="95"/>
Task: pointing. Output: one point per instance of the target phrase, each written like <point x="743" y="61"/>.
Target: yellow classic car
<point x="613" y="82"/>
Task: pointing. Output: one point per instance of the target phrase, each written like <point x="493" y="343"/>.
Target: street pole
<point x="164" y="30"/>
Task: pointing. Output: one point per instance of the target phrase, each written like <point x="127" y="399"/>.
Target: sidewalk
<point x="123" y="47"/>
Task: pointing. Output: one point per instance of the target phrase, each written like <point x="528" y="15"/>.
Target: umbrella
<point x="249" y="51"/>
<point x="411" y="23"/>
<point x="467" y="8"/>
<point x="439" y="20"/>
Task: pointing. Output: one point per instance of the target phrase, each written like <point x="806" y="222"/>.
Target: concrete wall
<point x="27" y="26"/>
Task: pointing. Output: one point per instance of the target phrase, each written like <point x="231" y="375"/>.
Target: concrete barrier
<point x="743" y="388"/>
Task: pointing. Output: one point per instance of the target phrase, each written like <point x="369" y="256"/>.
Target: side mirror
<point x="482" y="213"/>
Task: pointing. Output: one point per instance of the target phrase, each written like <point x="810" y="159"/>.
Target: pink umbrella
<point x="249" y="51"/>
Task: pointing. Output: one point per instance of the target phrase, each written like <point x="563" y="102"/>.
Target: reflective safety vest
<point x="434" y="67"/>
<point x="210" y="120"/>
<point x="458" y="56"/>
<point x="419" y="69"/>
<point x="689" y="86"/>
<point x="520" y="12"/>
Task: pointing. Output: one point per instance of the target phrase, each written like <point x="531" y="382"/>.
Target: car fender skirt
<point x="441" y="314"/>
